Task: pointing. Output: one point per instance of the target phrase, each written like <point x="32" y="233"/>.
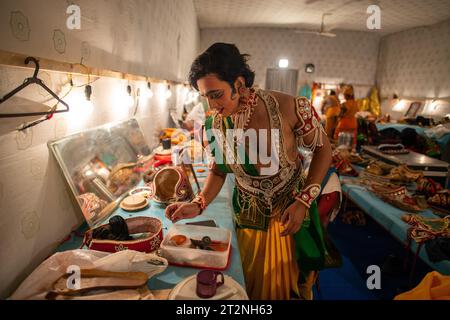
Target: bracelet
<point x="308" y="194"/>
<point x="200" y="200"/>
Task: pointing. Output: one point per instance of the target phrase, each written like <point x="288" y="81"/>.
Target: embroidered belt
<point x="254" y="210"/>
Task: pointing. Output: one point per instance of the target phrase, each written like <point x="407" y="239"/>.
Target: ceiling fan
<point x="322" y="31"/>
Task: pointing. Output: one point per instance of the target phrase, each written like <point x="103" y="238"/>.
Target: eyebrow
<point x="212" y="91"/>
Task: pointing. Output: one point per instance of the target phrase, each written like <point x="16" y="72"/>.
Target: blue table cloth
<point x="390" y="218"/>
<point x="219" y="210"/>
<point x="400" y="127"/>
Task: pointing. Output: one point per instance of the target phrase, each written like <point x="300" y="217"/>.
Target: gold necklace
<point x="242" y="117"/>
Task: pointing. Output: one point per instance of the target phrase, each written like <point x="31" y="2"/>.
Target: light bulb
<point x="168" y="93"/>
<point x="188" y="98"/>
<point x="148" y="93"/>
<point x="88" y="107"/>
<point x="399" y="106"/>
<point x="129" y="101"/>
<point x="283" y="63"/>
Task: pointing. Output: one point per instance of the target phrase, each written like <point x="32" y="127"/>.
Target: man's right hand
<point x="182" y="210"/>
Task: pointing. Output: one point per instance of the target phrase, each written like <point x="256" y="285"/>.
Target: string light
<point x="129" y="101"/>
<point x="88" y="105"/>
<point x="148" y="94"/>
<point x="168" y="92"/>
<point x="185" y="90"/>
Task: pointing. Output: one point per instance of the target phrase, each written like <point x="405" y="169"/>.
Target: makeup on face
<point x="218" y="93"/>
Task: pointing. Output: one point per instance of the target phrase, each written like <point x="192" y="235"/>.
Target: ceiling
<point x="396" y="15"/>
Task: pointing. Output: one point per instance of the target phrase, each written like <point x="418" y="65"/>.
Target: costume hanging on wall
<point x="374" y="102"/>
<point x="305" y="91"/>
<point x="268" y="260"/>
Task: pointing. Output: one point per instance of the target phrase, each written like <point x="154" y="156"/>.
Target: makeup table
<point x="219" y="210"/>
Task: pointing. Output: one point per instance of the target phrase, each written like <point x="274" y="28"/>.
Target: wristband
<point x="308" y="194"/>
<point x="200" y="200"/>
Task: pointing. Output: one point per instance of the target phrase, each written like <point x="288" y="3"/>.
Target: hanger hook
<point x="36" y="70"/>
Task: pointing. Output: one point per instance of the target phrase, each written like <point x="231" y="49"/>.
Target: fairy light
<point x="168" y="92"/>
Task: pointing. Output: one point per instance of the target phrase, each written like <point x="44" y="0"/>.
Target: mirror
<point x="102" y="164"/>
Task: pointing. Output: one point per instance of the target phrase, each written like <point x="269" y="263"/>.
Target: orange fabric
<point x="434" y="286"/>
<point x="268" y="261"/>
<point x="348" y="121"/>
<point x="331" y="113"/>
<point x="351" y="107"/>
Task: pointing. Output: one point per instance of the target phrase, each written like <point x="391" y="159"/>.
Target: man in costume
<point x="347" y="121"/>
<point x="278" y="227"/>
<point x="331" y="108"/>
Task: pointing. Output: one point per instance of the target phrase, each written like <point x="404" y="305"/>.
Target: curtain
<point x="284" y="80"/>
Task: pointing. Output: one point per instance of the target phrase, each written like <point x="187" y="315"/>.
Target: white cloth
<point x="439" y="131"/>
<point x="332" y="185"/>
<point x="197" y="114"/>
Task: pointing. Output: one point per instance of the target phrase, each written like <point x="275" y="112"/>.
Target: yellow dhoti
<point x="268" y="261"/>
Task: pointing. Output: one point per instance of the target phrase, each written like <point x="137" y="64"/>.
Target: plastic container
<point x="193" y="257"/>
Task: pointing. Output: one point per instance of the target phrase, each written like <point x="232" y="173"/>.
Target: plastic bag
<point x="40" y="281"/>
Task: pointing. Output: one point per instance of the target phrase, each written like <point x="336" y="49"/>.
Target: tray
<point x="193" y="257"/>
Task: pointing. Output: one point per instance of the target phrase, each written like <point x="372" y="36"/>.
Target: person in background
<point x="195" y="116"/>
<point x="346" y="120"/>
<point x="331" y="108"/>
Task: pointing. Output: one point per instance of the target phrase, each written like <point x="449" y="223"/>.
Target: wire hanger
<point x="26" y="83"/>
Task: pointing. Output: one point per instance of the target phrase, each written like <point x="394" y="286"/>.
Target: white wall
<point x="147" y="37"/>
<point x="350" y="57"/>
<point x="415" y="64"/>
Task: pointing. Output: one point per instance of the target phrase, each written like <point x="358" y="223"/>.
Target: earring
<point x="243" y="93"/>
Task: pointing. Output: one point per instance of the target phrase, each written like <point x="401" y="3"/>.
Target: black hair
<point x="332" y="93"/>
<point x="223" y="60"/>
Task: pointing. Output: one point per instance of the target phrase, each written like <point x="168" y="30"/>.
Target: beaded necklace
<point x="242" y="117"/>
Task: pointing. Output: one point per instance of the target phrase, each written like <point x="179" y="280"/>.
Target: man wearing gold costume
<point x="278" y="228"/>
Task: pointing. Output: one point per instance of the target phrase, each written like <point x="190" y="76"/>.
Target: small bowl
<point x="134" y="202"/>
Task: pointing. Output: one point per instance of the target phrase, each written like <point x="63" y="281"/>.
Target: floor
<point x="362" y="246"/>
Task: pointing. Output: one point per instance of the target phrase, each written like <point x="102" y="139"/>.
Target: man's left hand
<point x="292" y="218"/>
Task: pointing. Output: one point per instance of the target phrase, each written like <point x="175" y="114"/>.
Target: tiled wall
<point x="146" y="37"/>
<point x="158" y="39"/>
<point x="416" y="63"/>
<point x="350" y="57"/>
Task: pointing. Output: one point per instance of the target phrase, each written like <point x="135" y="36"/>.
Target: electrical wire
<point x="53" y="108"/>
